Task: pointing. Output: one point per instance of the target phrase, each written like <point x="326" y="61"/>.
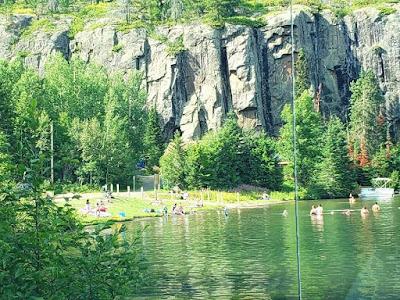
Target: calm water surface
<point x="251" y="254"/>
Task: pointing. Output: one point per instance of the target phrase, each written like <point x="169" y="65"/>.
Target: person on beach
<point x="87" y="206"/>
<point x="375" y="207"/>
<point x="364" y="211"/>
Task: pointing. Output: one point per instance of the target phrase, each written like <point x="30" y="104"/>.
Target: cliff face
<point x="236" y="68"/>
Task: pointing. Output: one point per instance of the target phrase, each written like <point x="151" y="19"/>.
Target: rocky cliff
<point x="237" y="68"/>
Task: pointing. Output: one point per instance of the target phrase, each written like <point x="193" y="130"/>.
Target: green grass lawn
<point x="134" y="206"/>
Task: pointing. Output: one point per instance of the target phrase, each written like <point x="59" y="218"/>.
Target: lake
<point x="251" y="254"/>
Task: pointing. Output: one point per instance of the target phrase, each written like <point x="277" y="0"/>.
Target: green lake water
<point x="251" y="254"/>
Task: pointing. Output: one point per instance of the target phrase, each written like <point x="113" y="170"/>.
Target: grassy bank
<point x="138" y="205"/>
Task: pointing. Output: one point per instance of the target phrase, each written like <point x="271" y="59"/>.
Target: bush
<point x="126" y="27"/>
<point x="44" y="25"/>
<point x="117" y="48"/>
<point x="386" y="11"/>
<point x="247" y="21"/>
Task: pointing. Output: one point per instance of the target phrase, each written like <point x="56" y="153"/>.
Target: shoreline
<point x="134" y="206"/>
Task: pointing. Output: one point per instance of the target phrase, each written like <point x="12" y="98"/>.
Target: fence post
<point x="141" y="191"/>
<point x="129" y="191"/>
<point x="112" y="188"/>
<point x="134" y="183"/>
<point x="117" y="188"/>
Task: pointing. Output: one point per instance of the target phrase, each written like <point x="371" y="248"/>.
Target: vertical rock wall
<point x="237" y="68"/>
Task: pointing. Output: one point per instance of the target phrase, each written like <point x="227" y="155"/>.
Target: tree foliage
<point x="152" y="140"/>
<point x="309" y="138"/>
<point x="173" y="163"/>
<point x="332" y="176"/>
<point x="98" y="119"/>
<point x="367" y="122"/>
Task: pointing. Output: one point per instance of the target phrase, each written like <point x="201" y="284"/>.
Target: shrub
<point x="247" y="21"/>
<point x="44" y="25"/>
<point x="386" y="11"/>
<point x="126" y="27"/>
<point x="117" y="48"/>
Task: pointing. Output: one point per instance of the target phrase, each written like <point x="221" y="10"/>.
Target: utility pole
<point x="52" y="152"/>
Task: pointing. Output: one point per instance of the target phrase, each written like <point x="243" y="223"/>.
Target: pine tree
<point x="309" y="138"/>
<point x="173" y="163"/>
<point x="366" y="127"/>
<point x="5" y="160"/>
<point x="333" y="176"/>
<point x="302" y="73"/>
<point x="152" y="140"/>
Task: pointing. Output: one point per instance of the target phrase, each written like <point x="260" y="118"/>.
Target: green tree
<point x="333" y="176"/>
<point x="10" y="73"/>
<point x="173" y="163"/>
<point x="152" y="139"/>
<point x="367" y="123"/>
<point x="5" y="160"/>
<point x="302" y="73"/>
<point x="259" y="164"/>
<point x="309" y="137"/>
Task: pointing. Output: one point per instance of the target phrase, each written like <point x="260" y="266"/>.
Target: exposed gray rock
<point x="237" y="68"/>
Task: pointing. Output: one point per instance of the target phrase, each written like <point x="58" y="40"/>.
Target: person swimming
<point x="313" y="210"/>
<point x="285" y="213"/>
<point x="351" y="198"/>
<point x="364" y="211"/>
<point x="347" y="212"/>
<point x="375" y="207"/>
<point x="319" y="210"/>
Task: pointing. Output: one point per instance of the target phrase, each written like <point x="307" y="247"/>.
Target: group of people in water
<point x="317" y="210"/>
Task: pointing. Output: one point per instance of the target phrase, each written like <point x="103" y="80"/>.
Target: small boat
<point x="380" y="191"/>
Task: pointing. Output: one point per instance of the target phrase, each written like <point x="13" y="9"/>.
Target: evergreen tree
<point x="309" y="137"/>
<point x="173" y="163"/>
<point x="366" y="124"/>
<point x="333" y="177"/>
<point x="5" y="161"/>
<point x="152" y="139"/>
<point x="302" y="73"/>
<point x="259" y="163"/>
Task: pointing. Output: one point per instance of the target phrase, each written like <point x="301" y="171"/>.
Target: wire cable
<point x="296" y="189"/>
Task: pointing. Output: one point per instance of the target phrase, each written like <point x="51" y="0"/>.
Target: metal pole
<point x="295" y="153"/>
<point x="52" y="152"/>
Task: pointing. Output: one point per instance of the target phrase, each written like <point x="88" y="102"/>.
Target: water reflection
<point x="251" y="254"/>
<point x="318" y="222"/>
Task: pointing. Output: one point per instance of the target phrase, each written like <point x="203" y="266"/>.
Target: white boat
<point x="380" y="191"/>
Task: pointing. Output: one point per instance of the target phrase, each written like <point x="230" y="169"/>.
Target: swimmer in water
<point x="319" y="210"/>
<point x="347" y="212"/>
<point x="351" y="198"/>
<point x="313" y="211"/>
<point x="285" y="213"/>
<point x="364" y="211"/>
<point x="375" y="207"/>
